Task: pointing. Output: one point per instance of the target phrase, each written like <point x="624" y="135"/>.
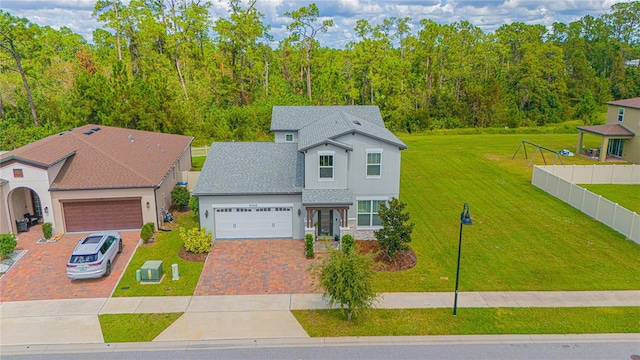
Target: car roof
<point x="91" y="243"/>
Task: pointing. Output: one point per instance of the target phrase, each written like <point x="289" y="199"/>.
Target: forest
<point x="164" y="65"/>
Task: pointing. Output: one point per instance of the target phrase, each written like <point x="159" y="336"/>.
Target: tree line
<point x="163" y="65"/>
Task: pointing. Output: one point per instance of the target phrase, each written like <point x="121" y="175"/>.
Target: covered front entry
<point x="25" y="208"/>
<point x="327" y="221"/>
<point x="97" y="215"/>
<point x="257" y="222"/>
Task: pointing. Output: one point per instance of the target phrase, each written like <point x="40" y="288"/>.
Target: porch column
<point x="579" y="146"/>
<point x="603" y="149"/>
<point x="343" y="216"/>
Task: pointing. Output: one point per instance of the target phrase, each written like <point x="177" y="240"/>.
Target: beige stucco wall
<point x="631" y="120"/>
<point x="146" y="194"/>
<point x="4" y="214"/>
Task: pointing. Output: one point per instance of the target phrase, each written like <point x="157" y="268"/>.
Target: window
<point x="368" y="213"/>
<point x="17" y="173"/>
<point x="288" y="137"/>
<point x="620" y="114"/>
<point x="326" y="166"/>
<point x="374" y="163"/>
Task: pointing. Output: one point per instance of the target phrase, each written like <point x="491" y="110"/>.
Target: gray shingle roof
<point x="326" y="196"/>
<point x="234" y="168"/>
<point x="297" y="117"/>
<point x="338" y="123"/>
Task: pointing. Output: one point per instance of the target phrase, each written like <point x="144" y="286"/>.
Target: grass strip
<point x="165" y="248"/>
<point x="471" y="321"/>
<point x="135" y="327"/>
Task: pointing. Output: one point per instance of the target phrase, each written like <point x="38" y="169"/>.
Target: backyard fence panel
<point x="606" y="212"/>
<point x="622" y="174"/>
<point x="635" y="174"/>
<point x="552" y="184"/>
<point x="602" y="174"/>
<point x="635" y="229"/>
<point x="564" y="190"/>
<point x="192" y="179"/>
<point x="590" y="204"/>
<point x="576" y="196"/>
<point x="200" y="151"/>
<point x="539" y="177"/>
<point x="623" y="221"/>
<point x="563" y="172"/>
<point x="582" y="174"/>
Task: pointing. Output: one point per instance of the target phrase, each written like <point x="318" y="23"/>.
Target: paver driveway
<point x="251" y="267"/>
<point x="41" y="273"/>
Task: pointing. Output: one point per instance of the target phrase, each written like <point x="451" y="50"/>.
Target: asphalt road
<point x="568" y="350"/>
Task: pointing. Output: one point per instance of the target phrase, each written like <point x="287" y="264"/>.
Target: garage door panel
<point x="102" y="215"/>
<point x="253" y="223"/>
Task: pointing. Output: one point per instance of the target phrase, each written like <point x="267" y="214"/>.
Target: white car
<point x="94" y="255"/>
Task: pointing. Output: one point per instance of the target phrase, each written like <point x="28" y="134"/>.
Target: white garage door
<point x="253" y="222"/>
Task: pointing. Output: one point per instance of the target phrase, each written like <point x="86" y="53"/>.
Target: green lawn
<point x="134" y="327"/>
<point x="197" y="162"/>
<point x="521" y="237"/>
<point x="166" y="248"/>
<point x="627" y="195"/>
<point x="409" y="322"/>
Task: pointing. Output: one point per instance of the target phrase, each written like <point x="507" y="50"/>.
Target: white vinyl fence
<point x="560" y="181"/>
<point x="200" y="151"/>
<point x="191" y="177"/>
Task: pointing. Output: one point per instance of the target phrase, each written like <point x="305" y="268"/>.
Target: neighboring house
<point x="326" y="173"/>
<point x="621" y="132"/>
<point x="91" y="178"/>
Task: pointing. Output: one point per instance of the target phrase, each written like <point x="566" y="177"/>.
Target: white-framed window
<point x="620" y="114"/>
<point x="374" y="163"/>
<point x="368" y="213"/>
<point x="325" y="165"/>
<point x="288" y="137"/>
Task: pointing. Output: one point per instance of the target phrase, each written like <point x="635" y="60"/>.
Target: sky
<point x="486" y="14"/>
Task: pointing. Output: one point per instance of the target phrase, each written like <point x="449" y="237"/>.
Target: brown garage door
<point x="102" y="215"/>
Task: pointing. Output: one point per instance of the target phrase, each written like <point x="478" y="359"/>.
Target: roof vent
<point x="89" y="132"/>
<point x="95" y="128"/>
<point x="357" y="122"/>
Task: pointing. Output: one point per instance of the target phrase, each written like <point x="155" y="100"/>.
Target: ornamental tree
<point x="396" y="231"/>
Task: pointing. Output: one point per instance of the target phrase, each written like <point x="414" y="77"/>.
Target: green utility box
<point x="151" y="271"/>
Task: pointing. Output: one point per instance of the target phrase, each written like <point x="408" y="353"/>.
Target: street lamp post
<point x="465" y="219"/>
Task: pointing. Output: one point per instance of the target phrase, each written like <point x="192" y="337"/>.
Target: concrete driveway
<point x="253" y="267"/>
<point x="41" y="273"/>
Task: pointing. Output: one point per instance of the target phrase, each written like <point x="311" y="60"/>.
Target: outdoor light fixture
<point x="46" y="210"/>
<point x="148" y="205"/>
<point x="465" y="219"/>
<point x="206" y="213"/>
<point x="299" y="212"/>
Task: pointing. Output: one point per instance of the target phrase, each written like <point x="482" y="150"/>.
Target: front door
<point x="325" y="223"/>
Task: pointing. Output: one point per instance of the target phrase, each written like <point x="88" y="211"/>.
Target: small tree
<point x="8" y="243"/>
<point x="347" y="280"/>
<point x="47" y="230"/>
<point x="309" y="250"/>
<point x="347" y="243"/>
<point x="180" y="196"/>
<point x="197" y="241"/>
<point x="396" y="231"/>
<point x="147" y="231"/>
<point x="194" y="204"/>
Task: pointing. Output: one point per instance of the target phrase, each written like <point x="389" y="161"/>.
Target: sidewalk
<point x="212" y="318"/>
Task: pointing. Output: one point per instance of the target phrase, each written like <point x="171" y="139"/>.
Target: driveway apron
<point x="41" y="273"/>
<point x="251" y="267"/>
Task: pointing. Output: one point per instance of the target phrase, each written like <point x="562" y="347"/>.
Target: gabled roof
<point x="630" y="103"/>
<point x="296" y="117"/>
<point x="104" y="157"/>
<point x="338" y="123"/>
<point x="237" y="168"/>
<point x="608" y="130"/>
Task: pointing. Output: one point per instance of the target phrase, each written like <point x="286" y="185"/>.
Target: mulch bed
<point x="402" y="261"/>
<point x="189" y="256"/>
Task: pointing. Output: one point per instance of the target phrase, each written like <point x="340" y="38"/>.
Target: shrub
<point x="347" y="243"/>
<point x="194" y="204"/>
<point x="47" y="230"/>
<point x="147" y="231"/>
<point x="347" y="280"/>
<point x="197" y="241"/>
<point x="8" y="243"/>
<point x="180" y="196"/>
<point x="309" y="250"/>
<point x="395" y="232"/>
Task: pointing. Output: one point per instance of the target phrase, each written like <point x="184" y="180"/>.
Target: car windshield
<point x="81" y="259"/>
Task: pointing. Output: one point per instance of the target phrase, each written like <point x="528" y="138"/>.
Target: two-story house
<point x="619" y="132"/>
<point x="326" y="173"/>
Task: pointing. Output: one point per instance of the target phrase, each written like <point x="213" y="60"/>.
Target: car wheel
<point x="108" y="270"/>
<point x="120" y="247"/>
